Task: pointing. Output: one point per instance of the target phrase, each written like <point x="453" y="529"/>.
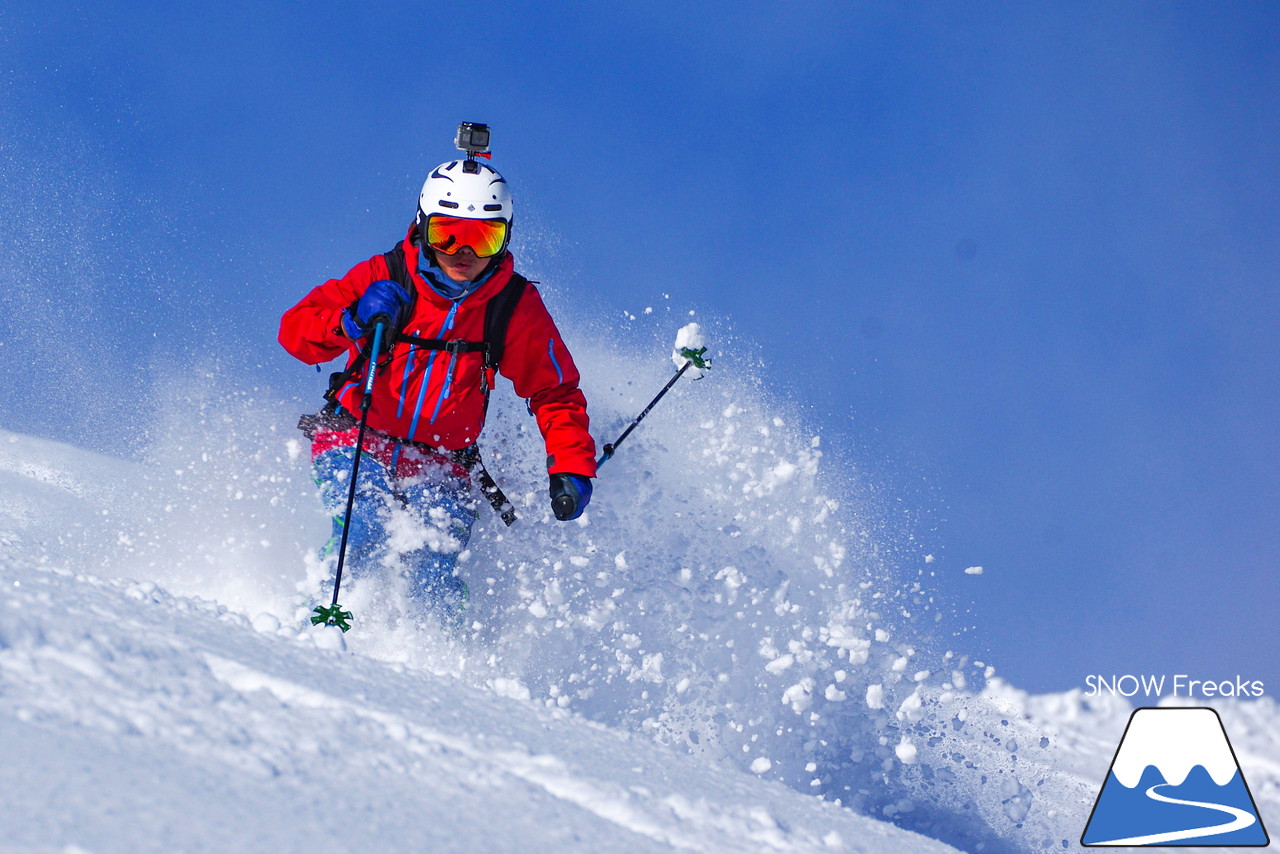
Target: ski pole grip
<point x="378" y="332"/>
<point x="563" y="507"/>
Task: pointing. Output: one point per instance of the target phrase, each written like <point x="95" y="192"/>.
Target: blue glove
<point x="570" y="495"/>
<point x="384" y="301"/>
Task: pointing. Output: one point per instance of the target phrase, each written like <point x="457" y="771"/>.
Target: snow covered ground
<point x="728" y="653"/>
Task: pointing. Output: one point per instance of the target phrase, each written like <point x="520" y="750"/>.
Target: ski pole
<point x="334" y="615"/>
<point x="694" y="358"/>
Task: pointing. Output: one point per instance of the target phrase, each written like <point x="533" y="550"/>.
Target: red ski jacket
<point x="436" y="397"/>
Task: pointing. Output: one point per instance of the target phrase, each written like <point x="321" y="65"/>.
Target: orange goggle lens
<point x="448" y="234"/>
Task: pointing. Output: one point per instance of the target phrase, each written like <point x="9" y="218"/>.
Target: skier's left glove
<point x="570" y="495"/>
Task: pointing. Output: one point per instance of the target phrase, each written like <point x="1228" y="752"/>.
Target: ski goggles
<point x="448" y="234"/>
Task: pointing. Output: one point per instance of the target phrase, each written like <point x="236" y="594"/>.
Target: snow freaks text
<point x="1179" y="685"/>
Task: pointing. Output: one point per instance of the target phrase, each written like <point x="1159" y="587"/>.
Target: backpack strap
<point x="339" y="379"/>
<point x="453" y="345"/>
<point x="497" y="317"/>
<point x="469" y="457"/>
<point x="397" y="270"/>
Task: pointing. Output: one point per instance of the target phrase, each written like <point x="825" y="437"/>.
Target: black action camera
<point x="473" y="138"/>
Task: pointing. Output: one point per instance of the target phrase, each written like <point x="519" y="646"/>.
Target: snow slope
<point x="732" y="651"/>
<point x="137" y="721"/>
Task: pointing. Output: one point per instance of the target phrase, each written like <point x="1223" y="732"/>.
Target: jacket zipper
<point x="426" y="379"/>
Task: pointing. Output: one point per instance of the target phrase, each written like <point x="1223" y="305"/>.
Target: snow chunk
<point x="912" y="708"/>
<point x="780" y="664"/>
<point x="906" y="751"/>
<point x="732" y="578"/>
<point x="973" y="570"/>
<point x="875" y="696"/>
<point x="650" y="669"/>
<point x="799" y="696"/>
<point x="761" y="765"/>
<point x="510" y="688"/>
<point x="689" y="337"/>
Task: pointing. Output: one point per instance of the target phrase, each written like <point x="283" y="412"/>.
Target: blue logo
<point x="1175" y="781"/>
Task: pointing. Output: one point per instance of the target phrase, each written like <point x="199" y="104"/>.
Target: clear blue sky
<point x="1018" y="262"/>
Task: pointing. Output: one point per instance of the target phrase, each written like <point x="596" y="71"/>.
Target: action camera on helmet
<point x="473" y="138"/>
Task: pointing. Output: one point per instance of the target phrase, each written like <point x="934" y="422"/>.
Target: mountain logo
<point x="1175" y="781"/>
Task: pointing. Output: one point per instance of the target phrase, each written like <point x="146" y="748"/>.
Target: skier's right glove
<point x="570" y="495"/>
<point x="383" y="301"/>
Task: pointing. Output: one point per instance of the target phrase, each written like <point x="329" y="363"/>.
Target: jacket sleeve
<point x="312" y="330"/>
<point x="540" y="367"/>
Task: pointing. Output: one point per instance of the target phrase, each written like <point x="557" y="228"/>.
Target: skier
<point x="456" y="312"/>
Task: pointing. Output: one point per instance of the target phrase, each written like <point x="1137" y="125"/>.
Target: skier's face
<point x="462" y="266"/>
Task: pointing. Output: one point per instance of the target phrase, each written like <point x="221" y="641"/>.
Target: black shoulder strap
<point x="497" y="317"/>
<point x="397" y="270"/>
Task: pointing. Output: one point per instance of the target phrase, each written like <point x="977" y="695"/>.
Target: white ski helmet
<point x="465" y="188"/>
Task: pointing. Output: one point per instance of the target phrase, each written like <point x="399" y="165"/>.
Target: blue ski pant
<point x="412" y="515"/>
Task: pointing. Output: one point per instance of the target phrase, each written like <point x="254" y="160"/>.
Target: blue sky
<point x="1018" y="263"/>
